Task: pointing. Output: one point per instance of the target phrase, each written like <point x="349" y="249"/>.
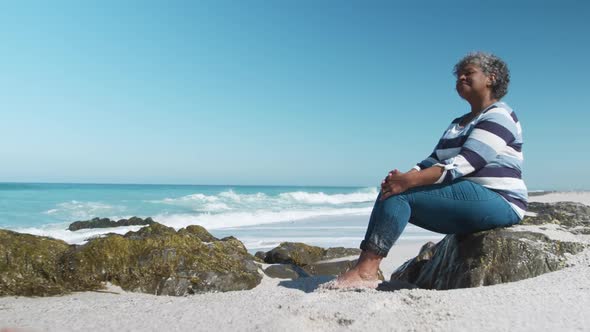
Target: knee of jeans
<point x="391" y="204"/>
<point x="396" y="199"/>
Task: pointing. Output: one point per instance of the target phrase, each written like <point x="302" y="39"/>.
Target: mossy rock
<point x="30" y="265"/>
<point x="198" y="231"/>
<point x="155" y="230"/>
<point x="284" y="271"/>
<point x="302" y="254"/>
<point x="106" y="222"/>
<point x="158" y="260"/>
<point x="296" y="253"/>
<point x="339" y="252"/>
<point x="485" y="258"/>
<point x="567" y="214"/>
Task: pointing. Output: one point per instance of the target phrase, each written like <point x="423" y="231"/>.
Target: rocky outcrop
<point x="295" y="260"/>
<point x="156" y="260"/>
<point x="30" y="265"/>
<point x="499" y="255"/>
<point x="302" y="254"/>
<point x="106" y="222"/>
<point x="575" y="217"/>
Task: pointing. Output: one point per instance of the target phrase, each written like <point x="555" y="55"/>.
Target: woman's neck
<point x="477" y="106"/>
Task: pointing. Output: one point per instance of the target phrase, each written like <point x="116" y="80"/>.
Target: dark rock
<point x="290" y="271"/>
<point x="154" y="231"/>
<point x="29" y="265"/>
<point x="283" y="271"/>
<point x="200" y="232"/>
<point x="566" y="214"/>
<point x="106" y="222"/>
<point x="330" y="268"/>
<point x="296" y="253"/>
<point x="156" y="260"/>
<point x="412" y="268"/>
<point x="302" y="254"/>
<point x="260" y="255"/>
<point x="160" y="261"/>
<point x="499" y="255"/>
<point x="485" y="258"/>
<point x="339" y="252"/>
<point x="539" y="193"/>
<point x="302" y="260"/>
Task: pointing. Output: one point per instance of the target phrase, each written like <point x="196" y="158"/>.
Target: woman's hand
<point x="394" y="183"/>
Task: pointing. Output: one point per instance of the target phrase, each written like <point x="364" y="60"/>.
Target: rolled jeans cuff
<point x="369" y="246"/>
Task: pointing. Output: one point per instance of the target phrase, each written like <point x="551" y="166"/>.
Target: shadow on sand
<point x="306" y="284"/>
<point x="310" y="284"/>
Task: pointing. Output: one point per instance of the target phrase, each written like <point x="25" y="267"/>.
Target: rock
<point x="200" y="232"/>
<point x="106" y="222"/>
<point x="290" y="271"/>
<point x="330" y="268"/>
<point x="298" y="260"/>
<point x="302" y="254"/>
<point x="156" y="260"/>
<point x="296" y="253"/>
<point x="259" y="256"/>
<point x="567" y="214"/>
<point x="339" y="252"/>
<point x="29" y="265"/>
<point x="411" y="269"/>
<point x="284" y="271"/>
<point x="485" y="258"/>
<point x="160" y="261"/>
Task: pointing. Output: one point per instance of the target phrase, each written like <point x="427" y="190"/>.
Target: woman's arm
<point x="492" y="133"/>
<point x="397" y="182"/>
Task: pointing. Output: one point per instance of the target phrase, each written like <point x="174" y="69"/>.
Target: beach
<point x="552" y="301"/>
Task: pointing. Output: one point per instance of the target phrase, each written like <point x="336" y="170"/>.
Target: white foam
<point x="230" y="200"/>
<point x="322" y="198"/>
<point x="237" y="219"/>
<point x="192" y="197"/>
<point x="76" y="210"/>
<point x="59" y="231"/>
<point x="306" y="227"/>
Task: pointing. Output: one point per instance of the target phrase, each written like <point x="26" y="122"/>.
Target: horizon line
<point x="188" y="184"/>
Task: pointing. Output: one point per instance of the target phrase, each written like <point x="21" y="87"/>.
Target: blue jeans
<point x="458" y="208"/>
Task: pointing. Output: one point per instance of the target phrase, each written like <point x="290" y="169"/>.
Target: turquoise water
<point x="260" y="216"/>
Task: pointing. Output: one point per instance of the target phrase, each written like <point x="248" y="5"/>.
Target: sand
<point x="556" y="301"/>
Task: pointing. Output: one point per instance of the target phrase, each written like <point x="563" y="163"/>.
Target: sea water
<point x="260" y="216"/>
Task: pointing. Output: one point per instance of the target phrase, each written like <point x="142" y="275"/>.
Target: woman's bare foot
<point x="354" y="279"/>
<point x="363" y="275"/>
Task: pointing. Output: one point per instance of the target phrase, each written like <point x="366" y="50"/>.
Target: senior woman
<point x="471" y="182"/>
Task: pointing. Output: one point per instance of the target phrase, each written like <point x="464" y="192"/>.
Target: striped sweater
<point x="488" y="151"/>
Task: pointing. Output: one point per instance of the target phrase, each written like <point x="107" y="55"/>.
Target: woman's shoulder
<point x="457" y="120"/>
<point x="499" y="112"/>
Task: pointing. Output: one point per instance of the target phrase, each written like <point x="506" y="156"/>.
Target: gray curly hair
<point x="489" y="64"/>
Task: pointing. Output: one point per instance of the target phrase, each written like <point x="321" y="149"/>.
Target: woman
<point x="471" y="182"/>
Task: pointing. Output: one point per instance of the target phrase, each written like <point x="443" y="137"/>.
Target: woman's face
<point x="472" y="82"/>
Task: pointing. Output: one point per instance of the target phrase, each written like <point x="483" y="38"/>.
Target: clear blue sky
<point x="277" y="92"/>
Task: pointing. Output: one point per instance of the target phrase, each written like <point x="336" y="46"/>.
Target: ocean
<point x="260" y="216"/>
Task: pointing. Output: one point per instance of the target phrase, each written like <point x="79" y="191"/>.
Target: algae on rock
<point x="29" y="265"/>
<point x="156" y="259"/>
<point x="485" y="258"/>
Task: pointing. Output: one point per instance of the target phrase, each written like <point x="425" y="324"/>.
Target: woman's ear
<point x="491" y="80"/>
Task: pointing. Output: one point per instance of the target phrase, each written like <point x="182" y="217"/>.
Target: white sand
<point x="557" y="301"/>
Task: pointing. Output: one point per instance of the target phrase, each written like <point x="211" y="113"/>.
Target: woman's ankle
<point x="369" y="275"/>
